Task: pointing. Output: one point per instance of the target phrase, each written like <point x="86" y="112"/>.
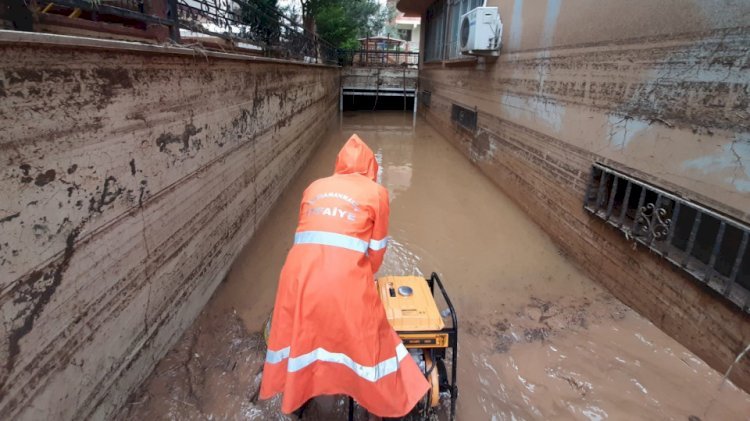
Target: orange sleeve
<point x="379" y="239"/>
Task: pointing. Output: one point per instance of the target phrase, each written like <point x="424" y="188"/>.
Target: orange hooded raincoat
<point x="329" y="333"/>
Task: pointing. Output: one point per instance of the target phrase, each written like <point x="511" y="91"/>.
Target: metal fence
<point x="134" y="10"/>
<point x="246" y="25"/>
<point x="379" y="58"/>
<point x="252" y="25"/>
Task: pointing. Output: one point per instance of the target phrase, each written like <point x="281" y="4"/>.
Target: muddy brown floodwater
<point x="538" y="338"/>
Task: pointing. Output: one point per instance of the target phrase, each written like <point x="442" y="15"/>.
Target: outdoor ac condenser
<point x="481" y="32"/>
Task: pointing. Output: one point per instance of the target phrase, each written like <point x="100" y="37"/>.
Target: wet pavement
<point x="538" y="338"/>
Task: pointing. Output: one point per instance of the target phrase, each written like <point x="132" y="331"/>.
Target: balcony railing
<point x="379" y="58"/>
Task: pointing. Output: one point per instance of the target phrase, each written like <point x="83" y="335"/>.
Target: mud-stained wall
<point x="660" y="90"/>
<point x="130" y="179"/>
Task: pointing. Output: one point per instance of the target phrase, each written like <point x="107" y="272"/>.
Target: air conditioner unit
<point x="481" y="32"/>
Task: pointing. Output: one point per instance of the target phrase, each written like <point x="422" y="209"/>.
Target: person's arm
<point x="379" y="240"/>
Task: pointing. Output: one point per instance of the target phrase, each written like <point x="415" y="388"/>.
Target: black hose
<point x="404" y="84"/>
<point x="377" y="90"/>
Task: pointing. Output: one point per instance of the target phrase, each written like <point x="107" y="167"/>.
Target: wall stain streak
<point x="671" y="107"/>
<point x="128" y="203"/>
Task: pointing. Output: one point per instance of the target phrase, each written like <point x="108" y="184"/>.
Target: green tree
<point x="263" y="19"/>
<point x="335" y="25"/>
<point x="310" y="9"/>
<point x="342" y="22"/>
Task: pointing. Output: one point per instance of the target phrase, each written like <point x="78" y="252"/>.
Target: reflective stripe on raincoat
<point x="330" y="334"/>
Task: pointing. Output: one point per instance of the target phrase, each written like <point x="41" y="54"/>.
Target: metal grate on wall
<point x="464" y="117"/>
<point x="425" y="98"/>
<point x="711" y="247"/>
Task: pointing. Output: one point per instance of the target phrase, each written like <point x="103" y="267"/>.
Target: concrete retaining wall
<point x="131" y="177"/>
<point x="659" y="90"/>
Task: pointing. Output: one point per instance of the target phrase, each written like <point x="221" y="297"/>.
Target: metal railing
<point x="134" y="10"/>
<point x="252" y="25"/>
<point x="227" y="24"/>
<point x="379" y="58"/>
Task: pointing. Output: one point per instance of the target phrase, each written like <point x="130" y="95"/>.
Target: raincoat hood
<point x="357" y="158"/>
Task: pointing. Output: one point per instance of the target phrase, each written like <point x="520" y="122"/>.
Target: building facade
<point x="406" y="28"/>
<point x="623" y="129"/>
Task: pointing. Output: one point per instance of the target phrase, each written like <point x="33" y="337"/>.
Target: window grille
<point x="425" y="98"/>
<point x="711" y="247"/>
<point x="435" y="31"/>
<point x="404" y="34"/>
<point x="442" y="27"/>
<point x="464" y="117"/>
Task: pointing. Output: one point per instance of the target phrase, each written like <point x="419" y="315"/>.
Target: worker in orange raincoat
<point x="329" y="333"/>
